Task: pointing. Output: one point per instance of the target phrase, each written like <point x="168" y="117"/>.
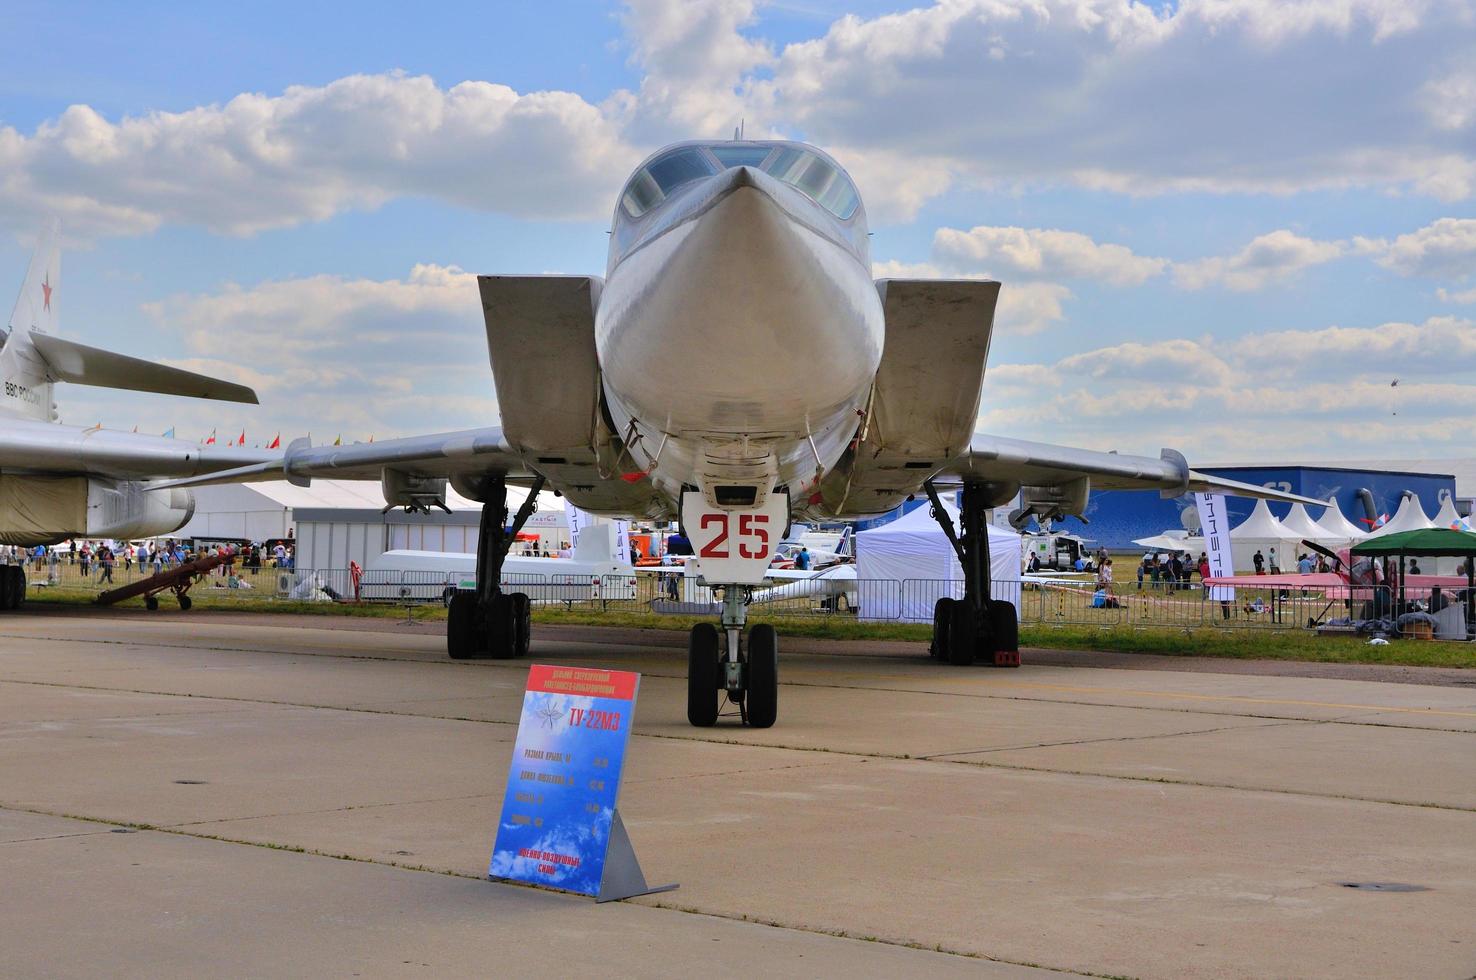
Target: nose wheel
<point x="745" y="669"/>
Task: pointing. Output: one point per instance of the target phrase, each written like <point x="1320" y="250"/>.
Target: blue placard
<point x="564" y="780"/>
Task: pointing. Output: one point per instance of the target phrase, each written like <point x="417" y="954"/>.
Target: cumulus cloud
<point x="695" y="57"/>
<point x="1443" y="249"/>
<point x="333" y="353"/>
<point x="1317" y="394"/>
<point x="1099" y="94"/>
<point x="1178" y="360"/>
<point x="1043" y="252"/>
<point x="262" y="162"/>
<point x="1127" y="97"/>
<point x="1270" y="258"/>
<point x="1024" y="308"/>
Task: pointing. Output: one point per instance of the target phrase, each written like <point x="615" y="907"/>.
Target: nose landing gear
<point x="745" y="669"/>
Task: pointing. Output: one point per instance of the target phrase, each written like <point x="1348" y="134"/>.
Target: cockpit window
<point x="659" y="178"/>
<point x="740" y="156"/>
<point x="817" y="178"/>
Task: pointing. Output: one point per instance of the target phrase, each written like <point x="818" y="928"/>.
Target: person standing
<point x="104" y="564"/>
<point x="1275" y="563"/>
<point x="1259" y="560"/>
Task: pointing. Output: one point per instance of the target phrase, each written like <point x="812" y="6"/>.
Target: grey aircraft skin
<point x="737" y="359"/>
<point x="60" y="481"/>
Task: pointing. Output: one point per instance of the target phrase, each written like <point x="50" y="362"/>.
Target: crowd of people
<point x="98" y="561"/>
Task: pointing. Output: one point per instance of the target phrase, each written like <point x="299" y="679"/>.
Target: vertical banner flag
<point x="576" y="520"/>
<point x="622" y="541"/>
<point x="559" y="826"/>
<point x="1214" y="524"/>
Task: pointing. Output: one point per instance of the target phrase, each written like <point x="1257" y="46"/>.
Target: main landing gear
<point x="745" y="669"/>
<point x="12" y="586"/>
<point x="976" y="627"/>
<point x="487" y="622"/>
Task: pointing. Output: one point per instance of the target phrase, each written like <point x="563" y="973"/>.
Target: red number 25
<point x="753" y="540"/>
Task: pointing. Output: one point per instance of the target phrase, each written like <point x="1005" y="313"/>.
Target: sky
<point x="1240" y="228"/>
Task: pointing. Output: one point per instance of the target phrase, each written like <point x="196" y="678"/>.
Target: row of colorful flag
<point x="212" y="440"/>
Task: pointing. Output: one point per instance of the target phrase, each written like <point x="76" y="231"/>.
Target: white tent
<point x="1338" y="529"/>
<point x="1172" y="543"/>
<point x="1300" y="523"/>
<point x="913" y="552"/>
<point x="1448" y="517"/>
<point x="1409" y="517"/>
<point x="1262" y="532"/>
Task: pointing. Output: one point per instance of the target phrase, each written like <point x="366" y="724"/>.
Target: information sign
<point x="559" y="826"/>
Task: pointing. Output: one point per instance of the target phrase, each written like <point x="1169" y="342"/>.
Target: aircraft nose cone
<point x="736" y="177"/>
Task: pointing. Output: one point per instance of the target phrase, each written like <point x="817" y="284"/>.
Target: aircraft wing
<point x="31" y="445"/>
<point x="1311" y="580"/>
<point x="464" y="455"/>
<point x="1004" y="461"/>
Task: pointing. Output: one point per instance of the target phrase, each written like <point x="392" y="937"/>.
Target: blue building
<point x="1115" y="517"/>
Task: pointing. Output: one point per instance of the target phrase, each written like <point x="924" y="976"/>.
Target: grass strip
<point x="1238" y="644"/>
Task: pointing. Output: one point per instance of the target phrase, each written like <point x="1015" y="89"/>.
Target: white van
<point x="427" y="576"/>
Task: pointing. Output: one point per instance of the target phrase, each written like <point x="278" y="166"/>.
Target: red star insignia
<point x="46" y="293"/>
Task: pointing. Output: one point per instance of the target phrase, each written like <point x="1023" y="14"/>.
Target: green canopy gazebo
<point x="1432" y="542"/>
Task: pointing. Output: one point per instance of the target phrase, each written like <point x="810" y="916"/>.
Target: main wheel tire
<point x="522" y="610"/>
<point x="151" y="602"/>
<point x="960" y="634"/>
<point x="8" y="591"/>
<point x="1004" y="629"/>
<point x="942" y="615"/>
<point x="763" y="676"/>
<point x="502" y="628"/>
<point x="461" y="627"/>
<point x="185" y="602"/>
<point x="20" y="586"/>
<point x="702" y="675"/>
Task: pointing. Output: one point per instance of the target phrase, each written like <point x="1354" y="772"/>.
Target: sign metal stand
<point x="560" y="826"/>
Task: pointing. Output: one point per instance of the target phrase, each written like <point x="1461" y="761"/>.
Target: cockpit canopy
<point x="814" y="174"/>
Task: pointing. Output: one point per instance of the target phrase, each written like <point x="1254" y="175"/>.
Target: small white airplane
<point x="737" y="367"/>
<point x="62" y="481"/>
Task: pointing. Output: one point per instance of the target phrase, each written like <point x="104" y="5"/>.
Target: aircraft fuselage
<point x="739" y="330"/>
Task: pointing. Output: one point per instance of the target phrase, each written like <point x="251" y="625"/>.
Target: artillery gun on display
<point x="177" y="580"/>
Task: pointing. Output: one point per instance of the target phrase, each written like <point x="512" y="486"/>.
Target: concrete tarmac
<point x="183" y="795"/>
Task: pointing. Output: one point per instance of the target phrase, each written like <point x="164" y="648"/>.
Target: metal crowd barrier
<point x="1054" y="602"/>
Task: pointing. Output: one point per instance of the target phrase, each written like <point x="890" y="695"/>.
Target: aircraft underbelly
<point x="738" y="335"/>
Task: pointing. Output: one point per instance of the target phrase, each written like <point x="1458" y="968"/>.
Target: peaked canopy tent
<point x="1449" y="517"/>
<point x="914" y="552"/>
<point x="1262" y="532"/>
<point x="1409" y="517"/>
<point x="1300" y="523"/>
<point x="1339" y="530"/>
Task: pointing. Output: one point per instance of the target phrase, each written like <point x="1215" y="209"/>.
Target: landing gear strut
<point x="487" y="622"/>
<point x="746" y="669"/>
<point x="975" y="627"/>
